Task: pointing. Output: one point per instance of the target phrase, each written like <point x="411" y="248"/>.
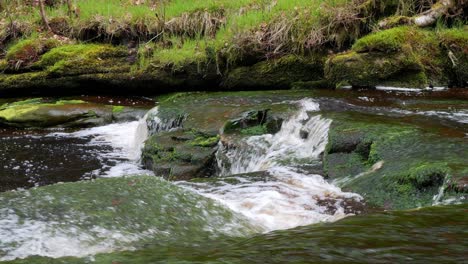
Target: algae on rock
<point x="402" y="57"/>
<point x="393" y="165"/>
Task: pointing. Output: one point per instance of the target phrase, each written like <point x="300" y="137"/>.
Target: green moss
<point x="455" y="44"/>
<point x="84" y="59"/>
<point x="203" y="141"/>
<point x="413" y="164"/>
<point x="427" y="175"/>
<point x="279" y="73"/>
<point x="117" y="108"/>
<point x="255" y="130"/>
<point x="27" y="51"/>
<point x="385" y="41"/>
<point x="3" y="65"/>
<point x="65" y="102"/>
<point x="401" y="57"/>
<point x="31" y="101"/>
<point x="456" y="36"/>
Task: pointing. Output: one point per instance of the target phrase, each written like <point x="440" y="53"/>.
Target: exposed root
<point x="442" y="8"/>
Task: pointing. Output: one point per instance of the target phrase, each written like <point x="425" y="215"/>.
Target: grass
<point x="225" y="32"/>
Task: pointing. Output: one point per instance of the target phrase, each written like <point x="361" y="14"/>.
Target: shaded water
<point x="230" y="220"/>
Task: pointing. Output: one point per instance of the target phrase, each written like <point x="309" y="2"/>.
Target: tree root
<point x="439" y="9"/>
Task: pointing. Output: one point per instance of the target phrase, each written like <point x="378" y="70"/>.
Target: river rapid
<point x="83" y="196"/>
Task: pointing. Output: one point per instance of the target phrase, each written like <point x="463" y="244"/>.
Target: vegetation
<point x="202" y="42"/>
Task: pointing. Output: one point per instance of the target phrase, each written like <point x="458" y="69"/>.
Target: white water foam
<point x="287" y="200"/>
<point x="459" y="116"/>
<point x="289" y="197"/>
<point x="409" y="89"/>
<point x="125" y="141"/>
<point x="21" y="238"/>
<point x="286" y="146"/>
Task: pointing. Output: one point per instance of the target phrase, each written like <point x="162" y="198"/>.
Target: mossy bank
<point x="228" y="46"/>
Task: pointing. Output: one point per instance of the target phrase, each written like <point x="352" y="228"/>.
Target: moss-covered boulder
<point x="394" y="165"/>
<point x="68" y="67"/>
<point x="254" y="122"/>
<point x="181" y="155"/>
<point x="24" y="53"/>
<point x="279" y="73"/>
<point x="42" y="113"/>
<point x="402" y="57"/>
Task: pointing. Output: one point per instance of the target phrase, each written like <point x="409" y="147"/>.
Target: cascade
<point x="288" y="196"/>
<point x="301" y="138"/>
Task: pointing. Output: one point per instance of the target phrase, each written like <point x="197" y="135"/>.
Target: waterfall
<point x="142" y="132"/>
<point x="287" y="197"/>
<point x="301" y="139"/>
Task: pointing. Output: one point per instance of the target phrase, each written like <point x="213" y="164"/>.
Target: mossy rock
<point x="25" y="52"/>
<point x="276" y="73"/>
<point x="188" y="152"/>
<point x="393" y="165"/>
<point x="82" y="59"/>
<point x="401" y="57"/>
<point x="181" y="154"/>
<point x="3" y="65"/>
<point x="255" y="122"/>
<point x="64" y="113"/>
<point x="70" y="69"/>
<point x="122" y="113"/>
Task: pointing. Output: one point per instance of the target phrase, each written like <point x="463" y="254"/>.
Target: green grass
<point x="190" y="51"/>
<point x="258" y="29"/>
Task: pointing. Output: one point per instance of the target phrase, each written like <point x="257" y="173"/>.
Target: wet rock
<point x="62" y="113"/>
<point x="350" y="206"/>
<point x="303" y="134"/>
<point x="393" y="165"/>
<point x="125" y="113"/>
<point x="255" y="122"/>
<point x="181" y="154"/>
<point x="399" y="57"/>
<point x="277" y="73"/>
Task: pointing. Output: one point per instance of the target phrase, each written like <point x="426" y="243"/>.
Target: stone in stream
<point x="196" y="122"/>
<point x="41" y="113"/>
<point x="89" y="217"/>
<point x="395" y="165"/>
<point x="181" y="154"/>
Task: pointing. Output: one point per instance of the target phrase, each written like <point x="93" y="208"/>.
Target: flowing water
<point x="289" y="197"/>
<point x="264" y="185"/>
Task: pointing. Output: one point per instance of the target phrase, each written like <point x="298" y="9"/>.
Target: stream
<point x="83" y="196"/>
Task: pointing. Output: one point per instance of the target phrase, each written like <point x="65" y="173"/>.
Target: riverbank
<point x="247" y="45"/>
